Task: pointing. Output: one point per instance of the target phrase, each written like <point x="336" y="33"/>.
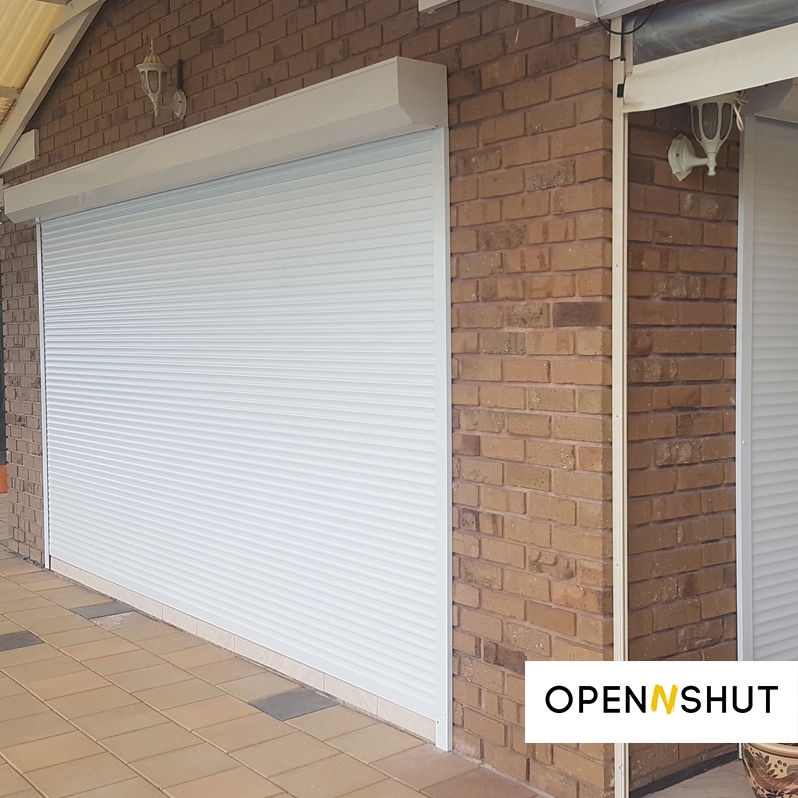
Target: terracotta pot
<point x="772" y="769"/>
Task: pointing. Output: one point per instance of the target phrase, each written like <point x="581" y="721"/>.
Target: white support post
<point x="620" y="597"/>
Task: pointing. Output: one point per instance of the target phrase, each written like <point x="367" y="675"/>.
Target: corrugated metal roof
<point x="25" y="30"/>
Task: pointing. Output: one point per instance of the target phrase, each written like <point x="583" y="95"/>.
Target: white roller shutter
<point x="246" y="410"/>
<point x="772" y="544"/>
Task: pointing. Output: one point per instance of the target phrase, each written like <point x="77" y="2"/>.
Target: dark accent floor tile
<point x="18" y="640"/>
<point x="294" y="703"/>
<point x="102" y="610"/>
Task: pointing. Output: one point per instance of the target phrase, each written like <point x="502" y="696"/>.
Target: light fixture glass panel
<point x="709" y="120"/>
<point x="727" y="114"/>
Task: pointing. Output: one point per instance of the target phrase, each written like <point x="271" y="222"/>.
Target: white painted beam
<point x="61" y="46"/>
<point x="754" y="60"/>
<point x="74" y="9"/>
<point x="25" y="151"/>
<point x="7" y="93"/>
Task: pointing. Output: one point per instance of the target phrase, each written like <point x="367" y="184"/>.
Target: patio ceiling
<point x="36" y="39"/>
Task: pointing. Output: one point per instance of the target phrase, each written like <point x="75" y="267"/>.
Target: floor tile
<point x="11" y="587"/>
<point x="101" y="609"/>
<point x="294" y="703"/>
<point x="240" y="783"/>
<point x="331" y="722"/>
<point x="76" y="636"/>
<point x="479" y="783"/>
<point x="388" y="789"/>
<point x="28" y="654"/>
<point x="186" y="764"/>
<point x="175" y="695"/>
<point x="44" y="669"/>
<point x="112" y="722"/>
<point x="32" y="727"/>
<point x="10" y="687"/>
<point x="40" y="583"/>
<point x="284" y="753"/>
<point x="45" y="611"/>
<point x="20" y="705"/>
<point x="198" y="655"/>
<point x="422" y="766"/>
<point x="226" y="670"/>
<point x="106" y="647"/>
<point x="210" y="712"/>
<point x="18" y="566"/>
<point x="148" y="742"/>
<point x="736" y="767"/>
<point x="145" y="678"/>
<point x="131" y="788"/>
<point x="11" y="781"/>
<point x="37" y="577"/>
<point x="329" y="778"/>
<point x="36" y="601"/>
<point x="51" y="751"/>
<point x="375" y="742"/>
<point x="67" y="684"/>
<point x="59" y="623"/>
<point x="244" y="732"/>
<point x="126" y="661"/>
<point x="251" y="688"/>
<point x="10" y="590"/>
<point x="29" y="793"/>
<point x="133" y="626"/>
<point x="79" y="776"/>
<point x="14" y="640"/>
<point x="75" y="706"/>
<point x="75" y="596"/>
<point x="720" y="782"/>
<point x="168" y="644"/>
<point x="6" y="627"/>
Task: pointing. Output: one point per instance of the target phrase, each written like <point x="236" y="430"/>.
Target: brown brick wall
<point x="22" y="398"/>
<point x="530" y="189"/>
<point x="682" y="316"/>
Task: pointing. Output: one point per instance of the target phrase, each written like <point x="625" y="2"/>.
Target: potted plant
<point x="772" y="769"/>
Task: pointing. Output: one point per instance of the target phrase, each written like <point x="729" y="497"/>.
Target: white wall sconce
<point x="712" y="123"/>
<point x="153" y="79"/>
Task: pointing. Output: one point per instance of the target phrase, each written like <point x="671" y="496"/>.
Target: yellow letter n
<point x="670" y="703"/>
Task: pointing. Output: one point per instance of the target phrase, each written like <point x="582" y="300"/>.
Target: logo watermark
<point x="661" y="702"/>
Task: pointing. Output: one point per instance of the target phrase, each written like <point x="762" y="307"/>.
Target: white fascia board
<point x="754" y="60"/>
<point x="579" y="9"/>
<point x="25" y="151"/>
<point x="387" y="99"/>
<point x="60" y="48"/>
<point x="609" y="9"/>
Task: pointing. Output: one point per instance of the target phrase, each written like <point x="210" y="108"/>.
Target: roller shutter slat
<point x="241" y="408"/>
<point x="774" y="395"/>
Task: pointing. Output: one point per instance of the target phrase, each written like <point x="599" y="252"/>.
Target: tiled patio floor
<point x="727" y="781"/>
<point x="98" y="705"/>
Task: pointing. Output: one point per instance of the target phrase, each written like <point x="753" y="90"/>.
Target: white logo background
<point x="593" y="725"/>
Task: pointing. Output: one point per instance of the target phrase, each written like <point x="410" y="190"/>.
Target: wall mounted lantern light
<point x="712" y="123"/>
<point x="153" y="80"/>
